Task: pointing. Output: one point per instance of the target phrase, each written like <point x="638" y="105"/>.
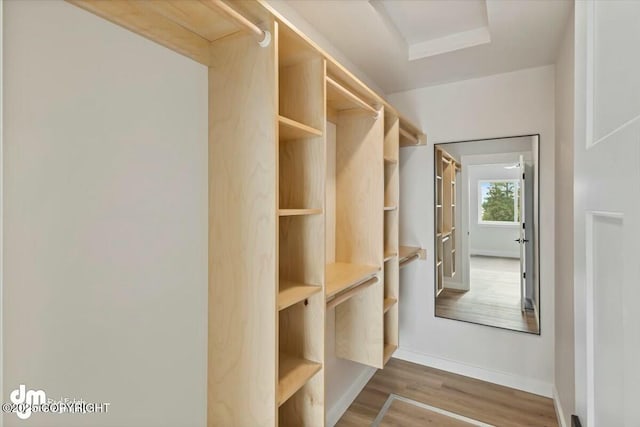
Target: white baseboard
<point x="336" y="411"/>
<point x="529" y="385"/>
<point x="558" y="405"/>
<point x="499" y="254"/>
<point x="456" y="285"/>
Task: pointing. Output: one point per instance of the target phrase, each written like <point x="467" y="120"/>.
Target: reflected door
<point x="523" y="236"/>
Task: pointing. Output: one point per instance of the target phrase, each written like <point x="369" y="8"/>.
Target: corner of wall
<point x="340" y="407"/>
<point x="1" y="212"/>
<point x="505" y="379"/>
<point x="557" y="404"/>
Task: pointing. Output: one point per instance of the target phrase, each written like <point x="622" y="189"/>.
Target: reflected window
<point x="499" y="202"/>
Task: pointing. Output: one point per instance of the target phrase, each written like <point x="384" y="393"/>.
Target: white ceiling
<point x="418" y="21"/>
<point x="447" y="40"/>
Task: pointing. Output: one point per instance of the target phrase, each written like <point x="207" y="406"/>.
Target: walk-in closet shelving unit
<point x="354" y="252"/>
<point x="447" y="168"/>
<point x="409" y="136"/>
<point x="391" y="232"/>
<point x="295" y="227"/>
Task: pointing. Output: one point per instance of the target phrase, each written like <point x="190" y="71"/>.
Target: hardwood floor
<point x="494" y="297"/>
<point x="475" y="399"/>
<point x="405" y="414"/>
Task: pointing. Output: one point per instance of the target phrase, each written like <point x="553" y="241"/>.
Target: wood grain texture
<point x="479" y="400"/>
<point x="242" y="234"/>
<point x="292" y="130"/>
<point x="294" y="372"/>
<point x="359" y="213"/>
<point x="359" y="188"/>
<point x="299" y="212"/>
<point x="360" y="327"/>
<point x="194" y="15"/>
<point x="301" y="185"/>
<point x="302" y="336"/>
<point x="301" y="169"/>
<point x="391" y="233"/>
<point x="300" y="83"/>
<point x="301" y="257"/>
<point x="292" y="293"/>
<point x="340" y="98"/>
<point x="351" y="292"/>
<point x="342" y="276"/>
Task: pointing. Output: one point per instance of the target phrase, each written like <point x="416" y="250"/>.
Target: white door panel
<point x="607" y="213"/>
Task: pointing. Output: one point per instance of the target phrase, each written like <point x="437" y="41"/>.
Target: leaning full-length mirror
<point x="486" y="232"/>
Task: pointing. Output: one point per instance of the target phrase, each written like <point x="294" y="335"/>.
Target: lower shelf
<point x="389" y="349"/>
<point x="340" y="276"/>
<point x="294" y="373"/>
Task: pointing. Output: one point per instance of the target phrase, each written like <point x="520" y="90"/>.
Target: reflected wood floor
<point x="471" y="398"/>
<point x="494" y="298"/>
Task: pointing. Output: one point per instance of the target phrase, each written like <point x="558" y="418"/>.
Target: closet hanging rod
<point x="340" y="298"/>
<point x="264" y="36"/>
<point x="409" y="259"/>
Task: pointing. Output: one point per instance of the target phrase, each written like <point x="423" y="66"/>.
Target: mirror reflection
<point x="486" y="232"/>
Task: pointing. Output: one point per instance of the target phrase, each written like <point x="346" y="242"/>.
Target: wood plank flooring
<point x="404" y="414"/>
<point x="475" y="399"/>
<point x="494" y="297"/>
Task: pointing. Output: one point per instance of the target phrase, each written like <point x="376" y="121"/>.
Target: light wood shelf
<point x="299" y="212"/>
<point x="340" y="98"/>
<point x="447" y="167"/>
<point x="408" y="139"/>
<point x="389" y="349"/>
<point x="390" y="208"/>
<point x="290" y="129"/>
<point x="293" y="373"/>
<point x="388" y="255"/>
<point x="388" y="161"/>
<point x="291" y="293"/>
<point x="267" y="141"/>
<point x="388" y="303"/>
<point x="341" y="276"/>
<point x="408" y="254"/>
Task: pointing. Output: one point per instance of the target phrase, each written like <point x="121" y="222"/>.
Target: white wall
<point x="564" y="336"/>
<point x="516" y="103"/>
<point x="105" y="195"/>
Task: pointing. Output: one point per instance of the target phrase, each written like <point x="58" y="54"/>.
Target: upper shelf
<point x="187" y="27"/>
<point x="290" y="129"/>
<point x="291" y="293"/>
<point x="340" y="98"/>
<point x="410" y="253"/>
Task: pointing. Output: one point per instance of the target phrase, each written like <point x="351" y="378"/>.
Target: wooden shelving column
<point x="391" y="232"/>
<point x="355" y="250"/>
<point x="279" y="256"/>
<point x="447" y="168"/>
<point x="301" y="172"/>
